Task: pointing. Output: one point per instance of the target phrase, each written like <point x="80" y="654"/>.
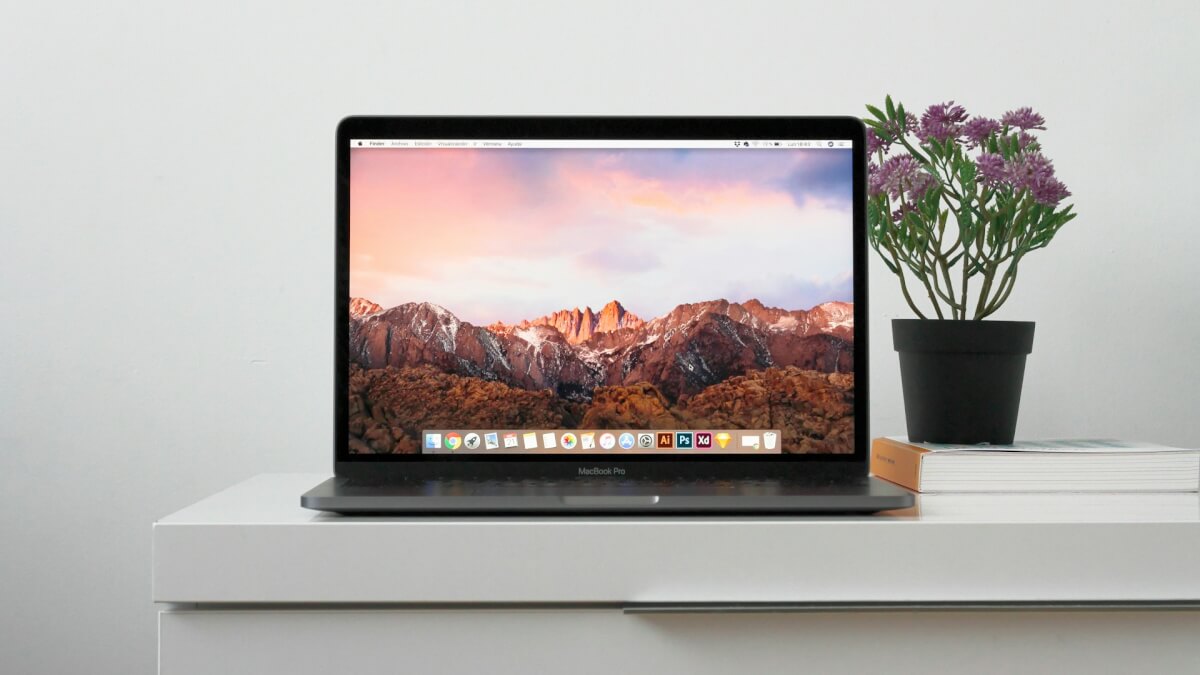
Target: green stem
<point x="936" y="307"/>
<point x="931" y="264"/>
<point x="1006" y="285"/>
<point x="944" y="266"/>
<point x="988" y="275"/>
<point x="903" y="285"/>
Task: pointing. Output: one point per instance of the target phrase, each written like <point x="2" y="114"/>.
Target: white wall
<point x="166" y="227"/>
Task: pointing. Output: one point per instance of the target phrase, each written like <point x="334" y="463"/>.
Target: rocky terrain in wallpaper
<point x="713" y="364"/>
<point x="388" y="407"/>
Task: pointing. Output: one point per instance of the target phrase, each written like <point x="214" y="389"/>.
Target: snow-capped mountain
<point x="571" y="352"/>
<point x="580" y="326"/>
<point x="361" y="307"/>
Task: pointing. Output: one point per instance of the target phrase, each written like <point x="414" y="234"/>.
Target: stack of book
<point x="1037" y="466"/>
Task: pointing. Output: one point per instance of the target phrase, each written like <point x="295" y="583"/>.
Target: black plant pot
<point x="962" y="379"/>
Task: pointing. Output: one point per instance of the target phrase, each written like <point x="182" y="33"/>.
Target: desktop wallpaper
<point x="601" y="289"/>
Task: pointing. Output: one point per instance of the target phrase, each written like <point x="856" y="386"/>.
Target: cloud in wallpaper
<point x="506" y="235"/>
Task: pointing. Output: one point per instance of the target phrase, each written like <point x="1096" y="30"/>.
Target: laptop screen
<point x="535" y="297"/>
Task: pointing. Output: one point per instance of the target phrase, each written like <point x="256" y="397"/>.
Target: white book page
<point x="1069" y="445"/>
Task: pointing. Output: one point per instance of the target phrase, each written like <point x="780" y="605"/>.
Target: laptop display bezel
<point x="624" y="128"/>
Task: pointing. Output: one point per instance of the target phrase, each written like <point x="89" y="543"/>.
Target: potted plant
<point x="955" y="203"/>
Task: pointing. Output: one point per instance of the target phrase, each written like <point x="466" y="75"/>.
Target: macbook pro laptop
<point x="601" y="315"/>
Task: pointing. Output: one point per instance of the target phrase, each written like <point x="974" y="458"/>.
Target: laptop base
<point x="608" y="497"/>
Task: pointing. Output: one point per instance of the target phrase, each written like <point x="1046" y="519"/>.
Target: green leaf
<point x="877" y="113"/>
<point x="966" y="172"/>
<point x="920" y="158"/>
<point x="913" y="224"/>
<point x="928" y="211"/>
<point x="887" y="262"/>
<point x="965" y="224"/>
<point x="934" y="196"/>
<point x="891" y="109"/>
<point x="993" y="228"/>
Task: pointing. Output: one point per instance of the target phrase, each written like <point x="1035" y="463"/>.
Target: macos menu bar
<point x="477" y="143"/>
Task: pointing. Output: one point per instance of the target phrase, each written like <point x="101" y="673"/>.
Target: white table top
<point x="253" y="543"/>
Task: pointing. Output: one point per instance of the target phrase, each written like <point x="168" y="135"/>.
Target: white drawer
<point x="608" y="642"/>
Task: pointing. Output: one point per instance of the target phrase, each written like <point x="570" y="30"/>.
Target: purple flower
<point x="874" y="183"/>
<point x="919" y="184"/>
<point x="1025" y="142"/>
<point x="1026" y="169"/>
<point x="893" y="129"/>
<point x="978" y="129"/>
<point x="875" y="143"/>
<point x="942" y="121"/>
<point x="900" y="176"/>
<point x="990" y="168"/>
<point x="896" y="173"/>
<point x="1034" y="172"/>
<point x="1023" y="119"/>
<point x="899" y="213"/>
<point x="1049" y="191"/>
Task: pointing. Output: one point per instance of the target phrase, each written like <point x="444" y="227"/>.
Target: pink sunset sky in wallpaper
<point x="505" y="235"/>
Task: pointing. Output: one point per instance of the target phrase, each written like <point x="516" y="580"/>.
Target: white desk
<point x="252" y="583"/>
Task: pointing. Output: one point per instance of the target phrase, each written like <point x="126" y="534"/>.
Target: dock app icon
<point x="703" y="439"/>
<point x="683" y="440"/>
<point x="666" y="439"/>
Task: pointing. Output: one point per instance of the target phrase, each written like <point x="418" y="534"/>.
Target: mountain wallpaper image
<point x="469" y="268"/>
<point x="706" y="365"/>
